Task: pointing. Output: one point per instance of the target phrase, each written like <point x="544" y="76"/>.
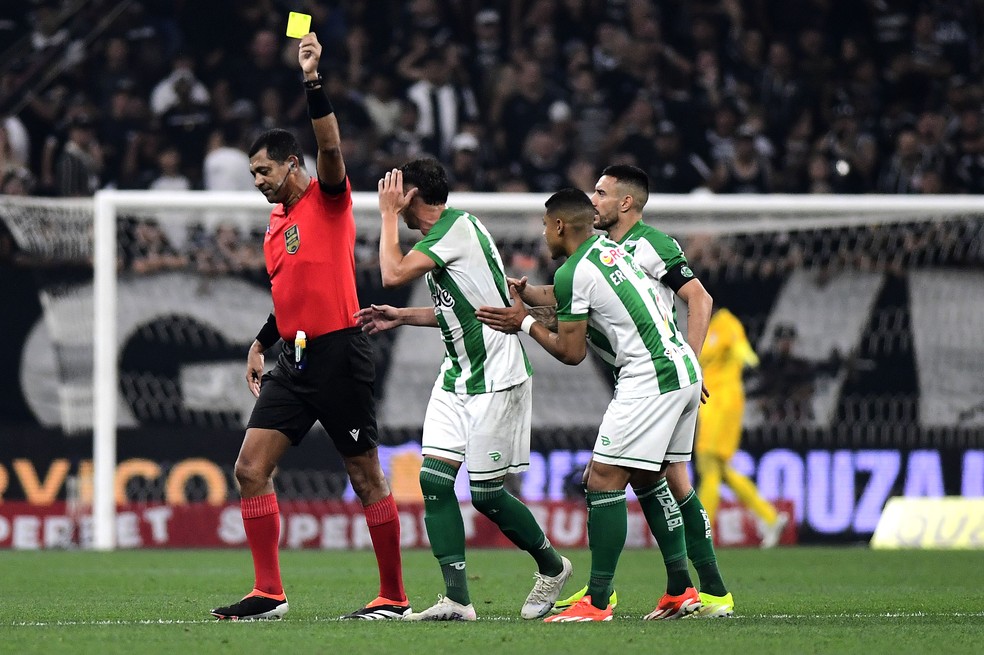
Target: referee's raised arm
<point x="331" y="166"/>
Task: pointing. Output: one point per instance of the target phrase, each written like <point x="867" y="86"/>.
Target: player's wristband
<point x="319" y="105"/>
<point x="268" y="334"/>
<point x="527" y="324"/>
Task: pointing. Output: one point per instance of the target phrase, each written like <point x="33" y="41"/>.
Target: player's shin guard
<point x="607" y="526"/>
<point x="665" y="522"/>
<point x="700" y="545"/>
<point x="445" y="527"/>
<point x="517" y="523"/>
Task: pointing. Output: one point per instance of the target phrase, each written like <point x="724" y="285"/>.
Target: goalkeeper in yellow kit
<point x="725" y="355"/>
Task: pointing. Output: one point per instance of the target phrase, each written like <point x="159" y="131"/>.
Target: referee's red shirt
<point x="310" y="257"/>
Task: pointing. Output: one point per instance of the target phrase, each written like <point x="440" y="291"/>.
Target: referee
<point x="325" y="371"/>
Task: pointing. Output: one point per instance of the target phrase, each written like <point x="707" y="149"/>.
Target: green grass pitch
<point x="790" y="600"/>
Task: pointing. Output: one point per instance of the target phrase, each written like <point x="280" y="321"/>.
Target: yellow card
<point x="298" y="24"/>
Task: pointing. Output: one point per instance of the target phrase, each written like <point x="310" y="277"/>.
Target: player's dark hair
<point x="280" y="144"/>
<point x="634" y="178"/>
<point x="430" y="179"/>
<point x="571" y="205"/>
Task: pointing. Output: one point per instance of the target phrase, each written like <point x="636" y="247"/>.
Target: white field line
<point x="768" y="617"/>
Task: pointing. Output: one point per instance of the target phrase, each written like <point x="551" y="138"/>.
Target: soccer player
<point x="480" y="408"/>
<point x="619" y="197"/>
<point x="309" y="249"/>
<point x="604" y="299"/>
<point x="726" y="354"/>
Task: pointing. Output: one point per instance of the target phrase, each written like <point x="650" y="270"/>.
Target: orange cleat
<point x="580" y="611"/>
<point x="675" y="607"/>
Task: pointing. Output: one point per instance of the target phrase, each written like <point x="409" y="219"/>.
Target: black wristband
<point x="319" y="105"/>
<point x="269" y="334"/>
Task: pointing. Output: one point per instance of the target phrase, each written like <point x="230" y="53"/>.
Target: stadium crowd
<point x="729" y="96"/>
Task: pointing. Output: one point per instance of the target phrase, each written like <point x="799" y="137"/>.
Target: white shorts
<point x="643" y="433"/>
<point x="489" y="432"/>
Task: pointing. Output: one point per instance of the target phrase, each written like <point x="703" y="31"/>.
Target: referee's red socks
<point x="384" y="530"/>
<point x="261" y="518"/>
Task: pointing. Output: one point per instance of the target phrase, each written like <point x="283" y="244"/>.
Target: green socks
<point x="700" y="545"/>
<point x="445" y="528"/>
<point x="667" y="525"/>
<point x="517" y="523"/>
<point x="607" y="525"/>
<point x="456" y="582"/>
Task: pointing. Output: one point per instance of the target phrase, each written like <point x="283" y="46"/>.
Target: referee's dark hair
<point x="430" y="179"/>
<point x="634" y="178"/>
<point x="280" y="144"/>
<point x="572" y="206"/>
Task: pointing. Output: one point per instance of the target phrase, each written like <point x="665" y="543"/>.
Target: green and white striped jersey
<point x="655" y="252"/>
<point x="470" y="274"/>
<point x="629" y="325"/>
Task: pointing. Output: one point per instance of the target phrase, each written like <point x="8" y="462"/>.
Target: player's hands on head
<point x="309" y="53"/>
<point x="392" y="199"/>
<point x="504" y="319"/>
<point x="377" y="318"/>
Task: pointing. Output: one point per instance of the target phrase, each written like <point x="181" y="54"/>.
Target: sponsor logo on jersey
<point x="354" y="434"/>
<point x="442" y="298"/>
<point x="605" y="441"/>
<point x="292" y="239"/>
<point x="495" y="455"/>
<point x="612" y="255"/>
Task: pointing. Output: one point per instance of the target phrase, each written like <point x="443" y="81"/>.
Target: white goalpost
<point x="859" y="237"/>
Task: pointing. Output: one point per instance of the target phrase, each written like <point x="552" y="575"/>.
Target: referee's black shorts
<point x="335" y="387"/>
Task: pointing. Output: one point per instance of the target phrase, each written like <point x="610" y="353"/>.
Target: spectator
<point x="381" y="104"/>
<point x="180" y="84"/>
<point x="17" y="182"/>
<point x="544" y="162"/>
<point x="186" y="124"/>
<point x="489" y="53"/>
<point x="708" y="66"/>
<point x="747" y="171"/>
<point x="852" y="151"/>
<point x="140" y="161"/>
<point x="442" y="104"/>
<point x="673" y="170"/>
<point x="819" y="175"/>
<point x="404" y="144"/>
<point x="528" y="105"/>
<point x="466" y="172"/>
<point x="262" y="67"/>
<point x="226" y="166"/>
<point x="170" y="177"/>
<point x="114" y="71"/>
<point x="119" y="124"/>
<point x="150" y="250"/>
<point x="905" y="166"/>
<point x="782" y="93"/>
<point x="590" y="114"/>
<point x="81" y="160"/>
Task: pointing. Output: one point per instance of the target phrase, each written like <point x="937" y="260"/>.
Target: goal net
<point x="866" y="312"/>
